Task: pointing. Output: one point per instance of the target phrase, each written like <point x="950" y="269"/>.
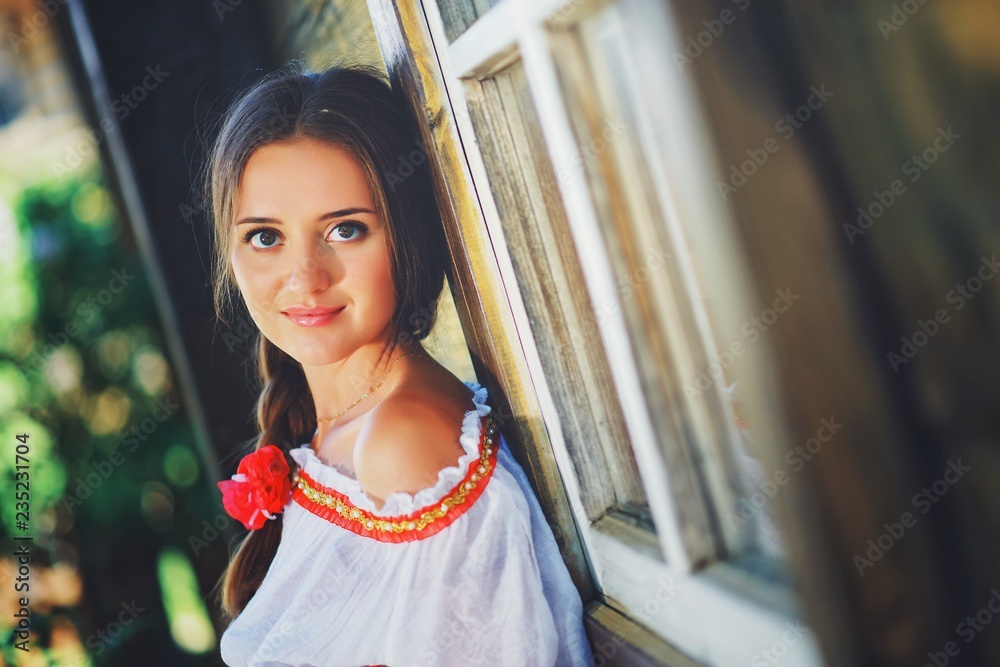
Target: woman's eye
<point x="349" y="231"/>
<point x="262" y="238"/>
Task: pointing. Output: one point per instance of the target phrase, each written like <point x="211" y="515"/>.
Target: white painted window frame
<point x="718" y="615"/>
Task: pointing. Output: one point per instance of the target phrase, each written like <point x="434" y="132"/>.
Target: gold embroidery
<point x="394" y="525"/>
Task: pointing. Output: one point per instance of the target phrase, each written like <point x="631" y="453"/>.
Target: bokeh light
<point x="151" y="372"/>
<point x="180" y="466"/>
<point x="189" y="622"/>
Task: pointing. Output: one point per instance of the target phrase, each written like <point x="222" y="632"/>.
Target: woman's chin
<point x="313" y="355"/>
<point x="316" y="358"/>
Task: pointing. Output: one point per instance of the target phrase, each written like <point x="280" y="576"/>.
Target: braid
<point x="285" y="412"/>
<point x="286" y="418"/>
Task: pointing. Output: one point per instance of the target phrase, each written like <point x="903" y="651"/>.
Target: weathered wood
<point x="458" y="15"/>
<point x="552" y="286"/>
<point x="621" y="643"/>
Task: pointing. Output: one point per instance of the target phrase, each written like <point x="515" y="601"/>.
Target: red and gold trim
<point x="337" y="508"/>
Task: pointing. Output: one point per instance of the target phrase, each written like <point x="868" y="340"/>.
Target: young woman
<point x="389" y="524"/>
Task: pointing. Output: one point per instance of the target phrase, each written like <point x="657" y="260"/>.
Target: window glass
<point x="671" y="291"/>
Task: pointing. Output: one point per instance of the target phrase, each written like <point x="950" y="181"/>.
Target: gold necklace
<point x="367" y="393"/>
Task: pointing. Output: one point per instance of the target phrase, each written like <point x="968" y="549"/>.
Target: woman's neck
<point x="337" y="386"/>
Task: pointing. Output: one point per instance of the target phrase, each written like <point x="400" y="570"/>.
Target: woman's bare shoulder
<point x="412" y="434"/>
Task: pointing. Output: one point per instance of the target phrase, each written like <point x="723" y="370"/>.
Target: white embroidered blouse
<point x="465" y="572"/>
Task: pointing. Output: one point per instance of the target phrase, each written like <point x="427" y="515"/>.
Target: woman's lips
<point x="314" y="318"/>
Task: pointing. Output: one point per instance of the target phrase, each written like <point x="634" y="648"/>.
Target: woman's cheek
<point x="257" y="298"/>
<point x="385" y="301"/>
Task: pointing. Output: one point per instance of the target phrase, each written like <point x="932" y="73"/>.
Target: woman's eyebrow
<point x="326" y="216"/>
<point x="257" y="221"/>
<point x="344" y="212"/>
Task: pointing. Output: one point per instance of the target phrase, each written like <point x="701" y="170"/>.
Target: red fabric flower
<point x="259" y="490"/>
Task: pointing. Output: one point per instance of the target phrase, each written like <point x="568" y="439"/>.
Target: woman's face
<point x="309" y="253"/>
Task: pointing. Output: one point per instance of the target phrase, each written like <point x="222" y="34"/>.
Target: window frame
<point x="516" y="29"/>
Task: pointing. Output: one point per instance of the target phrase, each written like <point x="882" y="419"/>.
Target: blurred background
<point x="135" y="401"/>
<point x="129" y="535"/>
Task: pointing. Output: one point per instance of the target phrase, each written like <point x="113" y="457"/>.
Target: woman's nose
<point x="310" y="271"/>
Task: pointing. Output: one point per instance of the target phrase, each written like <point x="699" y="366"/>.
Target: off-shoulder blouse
<point x="465" y="572"/>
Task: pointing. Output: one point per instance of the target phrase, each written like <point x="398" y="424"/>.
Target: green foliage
<point x="114" y="477"/>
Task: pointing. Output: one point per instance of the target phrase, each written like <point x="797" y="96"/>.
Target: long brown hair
<point x="354" y="108"/>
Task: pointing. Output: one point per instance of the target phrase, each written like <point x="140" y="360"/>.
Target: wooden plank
<point x="619" y="642"/>
<point x="601" y="282"/>
<point x="553" y="289"/>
